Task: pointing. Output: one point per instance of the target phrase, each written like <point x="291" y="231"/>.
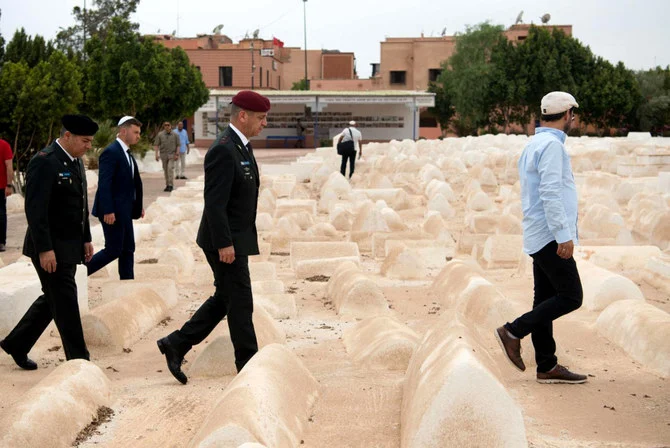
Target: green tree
<point x="467" y="77"/>
<point x="550" y="61"/>
<point x="653" y="113"/>
<point x="505" y="89"/>
<point x="127" y="74"/>
<point x="94" y="22"/>
<point x="300" y="85"/>
<point x="34" y="99"/>
<point x="609" y="96"/>
<point x="25" y="48"/>
<point x="443" y="111"/>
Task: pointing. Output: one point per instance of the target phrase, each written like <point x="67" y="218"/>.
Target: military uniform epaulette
<point x="225" y="139"/>
<point x="46" y="151"/>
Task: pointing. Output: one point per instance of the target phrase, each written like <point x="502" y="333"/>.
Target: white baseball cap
<point x="352" y="123"/>
<point x="557" y="103"/>
<point x="124" y="119"/>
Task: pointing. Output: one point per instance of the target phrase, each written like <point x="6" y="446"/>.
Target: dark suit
<point x="229" y="218"/>
<point x="57" y="212"/>
<point x="119" y="192"/>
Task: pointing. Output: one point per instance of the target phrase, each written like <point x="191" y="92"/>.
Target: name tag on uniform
<point x="65" y="177"/>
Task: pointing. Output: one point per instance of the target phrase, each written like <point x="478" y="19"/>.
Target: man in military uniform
<point x="57" y="240"/>
<point x="228" y="236"/>
<point x="166" y="146"/>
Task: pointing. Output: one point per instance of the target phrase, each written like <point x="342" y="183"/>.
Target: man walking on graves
<point x="228" y="236"/>
<point x="166" y="145"/>
<point x="118" y="200"/>
<point x="57" y="240"/>
<point x="184" y="148"/>
<point x="349" y="144"/>
<point x="549" y="202"/>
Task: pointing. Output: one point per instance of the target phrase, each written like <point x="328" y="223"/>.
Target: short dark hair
<point x="132" y="121"/>
<point x="555" y="117"/>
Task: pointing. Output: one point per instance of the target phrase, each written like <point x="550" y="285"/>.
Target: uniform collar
<point x="65" y="151"/>
<point x="242" y="137"/>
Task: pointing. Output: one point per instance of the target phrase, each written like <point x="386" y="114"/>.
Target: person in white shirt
<point x="347" y="135"/>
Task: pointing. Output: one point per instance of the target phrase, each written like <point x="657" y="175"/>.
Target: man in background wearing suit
<point x="57" y="240"/>
<point x="228" y="236"/>
<point x="118" y="200"/>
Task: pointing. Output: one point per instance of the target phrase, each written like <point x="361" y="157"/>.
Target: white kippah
<point x="124" y="119"/>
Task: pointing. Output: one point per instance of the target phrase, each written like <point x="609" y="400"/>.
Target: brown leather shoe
<point x="560" y="374"/>
<point x="511" y="348"/>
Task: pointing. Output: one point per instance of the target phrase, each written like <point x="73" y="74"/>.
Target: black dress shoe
<point x="173" y="359"/>
<point x="24" y="362"/>
<point x="2" y="248"/>
<point x="21" y="360"/>
<point x="167" y="189"/>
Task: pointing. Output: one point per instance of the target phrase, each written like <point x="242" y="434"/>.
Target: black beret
<point x="79" y="124"/>
<point x="250" y="100"/>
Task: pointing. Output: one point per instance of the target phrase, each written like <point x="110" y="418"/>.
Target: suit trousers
<point x="558" y="291"/>
<point x="168" y="169"/>
<point x="59" y="302"/>
<point x="233" y="298"/>
<point x="3" y="217"/>
<point x="115" y="247"/>
<point x="352" y="162"/>
<point x="181" y="168"/>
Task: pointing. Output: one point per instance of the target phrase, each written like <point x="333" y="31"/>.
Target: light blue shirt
<point x="548" y="191"/>
<point x="183" y="140"/>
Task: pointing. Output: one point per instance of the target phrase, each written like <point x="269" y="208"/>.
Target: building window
<point x="433" y="74"/>
<point x="521" y="38"/>
<point x="398" y="77"/>
<point x="225" y="76"/>
<point x="260" y="76"/>
<point x="267" y="77"/>
<point x="198" y="67"/>
<point x="279" y="82"/>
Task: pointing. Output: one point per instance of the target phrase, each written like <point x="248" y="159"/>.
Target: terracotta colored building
<point x="259" y="63"/>
<point x="413" y="62"/>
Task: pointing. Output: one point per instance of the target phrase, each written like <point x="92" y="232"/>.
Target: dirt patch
<point x="318" y="278"/>
<point x="280" y="254"/>
<point x="149" y="261"/>
<point x="105" y="415"/>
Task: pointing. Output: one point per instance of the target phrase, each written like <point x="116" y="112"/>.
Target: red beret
<point x="250" y="100"/>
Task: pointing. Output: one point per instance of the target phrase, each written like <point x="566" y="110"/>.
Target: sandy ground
<point x="622" y="405"/>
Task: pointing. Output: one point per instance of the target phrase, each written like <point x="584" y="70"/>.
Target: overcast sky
<point x="636" y="32"/>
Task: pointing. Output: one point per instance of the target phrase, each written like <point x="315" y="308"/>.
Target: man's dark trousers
<point x="119" y="243"/>
<point x="352" y="161"/>
<point x="558" y="291"/>
<point x="3" y="217"/>
<point x="232" y="298"/>
<point x="59" y="302"/>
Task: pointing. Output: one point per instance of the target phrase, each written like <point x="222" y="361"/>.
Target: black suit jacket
<point x="231" y="197"/>
<point x="56" y="206"/>
<point x="119" y="187"/>
<point x="119" y="192"/>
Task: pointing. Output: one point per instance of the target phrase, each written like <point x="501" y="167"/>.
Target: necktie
<point x="76" y="167"/>
<point x="250" y="149"/>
